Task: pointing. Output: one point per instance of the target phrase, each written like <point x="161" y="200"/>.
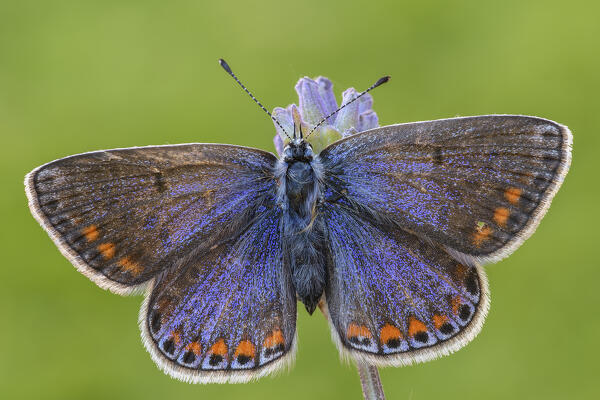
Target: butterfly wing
<point x="393" y="298"/>
<point x="477" y="185"/>
<point x="226" y="315"/>
<point x="123" y="216"/>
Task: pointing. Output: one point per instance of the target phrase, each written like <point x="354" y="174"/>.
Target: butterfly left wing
<point x="123" y="216"/>
<point x="394" y="299"/>
<point x="225" y="315"/>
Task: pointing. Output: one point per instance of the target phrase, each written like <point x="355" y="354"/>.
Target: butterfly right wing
<point x="393" y="298"/>
<point x="225" y="315"/>
<point x="477" y="185"/>
<point x="123" y="216"/>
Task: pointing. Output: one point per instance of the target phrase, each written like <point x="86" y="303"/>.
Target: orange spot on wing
<point x="274" y="339"/>
<point x="460" y="271"/>
<point x="501" y="215"/>
<point x="130" y="265"/>
<point x="195" y="348"/>
<point x="439" y="320"/>
<point x="415" y="326"/>
<point x="353" y="330"/>
<point x="91" y="233"/>
<point x="245" y="348"/>
<point x="356" y="330"/>
<point x="219" y="348"/>
<point x="107" y="250"/>
<point x="481" y="234"/>
<point x="456" y="302"/>
<point x="513" y="195"/>
<point x="389" y="332"/>
<point x="176" y="337"/>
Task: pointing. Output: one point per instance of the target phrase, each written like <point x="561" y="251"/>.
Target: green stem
<point x="369" y="374"/>
<point x="369" y="379"/>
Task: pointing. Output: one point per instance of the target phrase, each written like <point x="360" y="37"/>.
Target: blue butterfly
<point x="385" y="230"/>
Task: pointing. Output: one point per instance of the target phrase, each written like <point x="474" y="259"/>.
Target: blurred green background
<point x="77" y="76"/>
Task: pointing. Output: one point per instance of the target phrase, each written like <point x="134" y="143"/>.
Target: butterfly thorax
<point x="300" y="190"/>
<point x="300" y="182"/>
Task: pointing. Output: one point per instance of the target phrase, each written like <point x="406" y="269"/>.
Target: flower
<point x="316" y="101"/>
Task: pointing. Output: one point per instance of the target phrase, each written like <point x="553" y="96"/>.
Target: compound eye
<point x="308" y="153"/>
<point x="287" y="153"/>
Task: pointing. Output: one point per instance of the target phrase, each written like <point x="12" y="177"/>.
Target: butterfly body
<point x="388" y="228"/>
<point x="302" y="233"/>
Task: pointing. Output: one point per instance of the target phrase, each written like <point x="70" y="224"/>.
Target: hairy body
<point x="299" y="178"/>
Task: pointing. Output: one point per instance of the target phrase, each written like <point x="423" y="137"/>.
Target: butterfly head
<point x="298" y="150"/>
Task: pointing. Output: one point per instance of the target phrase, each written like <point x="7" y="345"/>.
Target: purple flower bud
<point x="326" y="92"/>
<point x="347" y="117"/>
<point x="316" y="101"/>
<point x="312" y="106"/>
<point x="367" y="120"/>
<point x="278" y="142"/>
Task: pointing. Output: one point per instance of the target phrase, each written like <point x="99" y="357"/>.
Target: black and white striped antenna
<point x="227" y="69"/>
<point x="379" y="82"/>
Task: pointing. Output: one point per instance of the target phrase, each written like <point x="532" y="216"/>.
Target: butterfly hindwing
<point x="477" y="185"/>
<point x="122" y="216"/>
<point x="393" y="298"/>
<point x="226" y="315"/>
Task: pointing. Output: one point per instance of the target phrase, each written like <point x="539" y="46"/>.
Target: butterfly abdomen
<point x="308" y="269"/>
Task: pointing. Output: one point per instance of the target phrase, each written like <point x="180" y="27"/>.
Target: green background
<point x="77" y="76"/>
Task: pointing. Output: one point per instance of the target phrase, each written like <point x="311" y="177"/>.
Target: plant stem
<point x="369" y="374"/>
<point x="369" y="379"/>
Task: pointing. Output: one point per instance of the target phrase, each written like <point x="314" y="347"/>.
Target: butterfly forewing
<point x="393" y="298"/>
<point x="228" y="314"/>
<point x="122" y="216"/>
<point x="477" y="185"/>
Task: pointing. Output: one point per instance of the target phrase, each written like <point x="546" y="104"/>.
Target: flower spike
<point x="379" y="82"/>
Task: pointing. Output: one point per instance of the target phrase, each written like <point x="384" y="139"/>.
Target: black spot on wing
<point x="243" y="359"/>
<point x="169" y="346"/>
<point x="159" y="182"/>
<point x="438" y="158"/>
<point x="215" y="360"/>
<point x="155" y="322"/>
<point x="472" y="285"/>
<point x="464" y="312"/>
<point x="447" y="329"/>
<point x="189" y="357"/>
<point x="422" y="337"/>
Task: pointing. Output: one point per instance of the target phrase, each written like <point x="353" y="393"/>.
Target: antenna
<point x="226" y="67"/>
<point x="379" y="82"/>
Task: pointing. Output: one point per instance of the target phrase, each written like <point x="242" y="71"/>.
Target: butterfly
<point x="385" y="230"/>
